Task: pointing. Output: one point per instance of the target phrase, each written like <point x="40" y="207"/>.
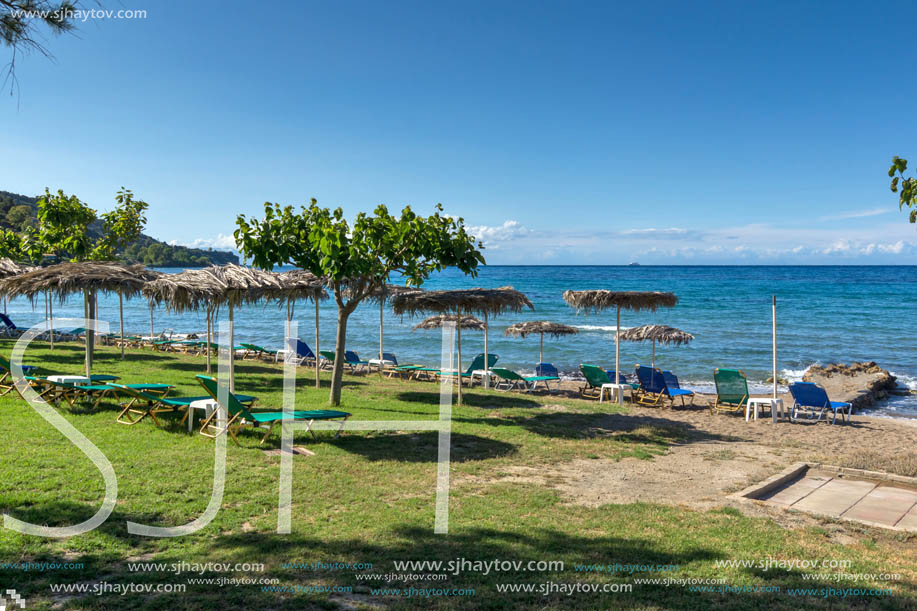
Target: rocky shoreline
<point x="861" y="384"/>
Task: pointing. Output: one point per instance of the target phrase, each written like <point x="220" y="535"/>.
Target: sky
<point x="562" y="133"/>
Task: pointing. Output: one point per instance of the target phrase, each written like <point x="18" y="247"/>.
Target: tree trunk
<point x="338" y="372"/>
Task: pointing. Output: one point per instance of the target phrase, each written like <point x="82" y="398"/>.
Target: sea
<point x="825" y="314"/>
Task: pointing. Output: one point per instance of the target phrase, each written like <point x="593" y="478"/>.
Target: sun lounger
<point x="731" y="390"/>
<point x="654" y="389"/>
<point x="8" y="327"/>
<point x="622" y="377"/>
<point x="6" y="380"/>
<point x="154" y="396"/>
<point x="240" y="416"/>
<point x="354" y="361"/>
<point x="256" y="351"/>
<point x="675" y="389"/>
<point x="595" y="379"/>
<point x="812" y="398"/>
<point x="546" y="369"/>
<point x="477" y="364"/>
<point x="299" y="353"/>
<point x="509" y="380"/>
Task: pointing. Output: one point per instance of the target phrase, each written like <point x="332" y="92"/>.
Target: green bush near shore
<point x="368" y="497"/>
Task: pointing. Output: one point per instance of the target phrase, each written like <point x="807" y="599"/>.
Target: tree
<point x="20" y="21"/>
<point x="355" y="261"/>
<point x="906" y="187"/>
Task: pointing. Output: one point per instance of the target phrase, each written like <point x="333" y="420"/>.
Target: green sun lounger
<point x="155" y="403"/>
<point x="6" y="380"/>
<point x="595" y="378"/>
<point x="240" y="416"/>
<point x="731" y="390"/>
<point x="257" y="351"/>
<point x="510" y="379"/>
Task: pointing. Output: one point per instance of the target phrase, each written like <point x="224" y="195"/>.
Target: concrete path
<point x="875" y="503"/>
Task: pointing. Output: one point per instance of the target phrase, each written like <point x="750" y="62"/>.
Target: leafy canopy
<point x="906" y="187"/>
<point x="323" y="242"/>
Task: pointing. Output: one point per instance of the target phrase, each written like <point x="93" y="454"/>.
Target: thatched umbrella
<point x="213" y="286"/>
<point x="596" y="300"/>
<point x="469" y="323"/>
<point x="381" y="295"/>
<point x="657" y="333"/>
<point x="8" y="268"/>
<point x="478" y="301"/>
<point x="554" y="329"/>
<point x="88" y="277"/>
<point x="301" y="284"/>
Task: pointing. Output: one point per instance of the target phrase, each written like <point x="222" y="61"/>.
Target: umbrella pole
<point x="232" y="373"/>
<point x="121" y="318"/>
<point x="152" y="335"/>
<point x="458" y="369"/>
<point x="618" y="351"/>
<point x="653" y="363"/>
<point x="774" y="329"/>
<point x="486" y="354"/>
<point x="317" y="364"/>
<point x="381" y="305"/>
<point x="209" y="328"/>
<point x="541" y="350"/>
<point x="51" y="320"/>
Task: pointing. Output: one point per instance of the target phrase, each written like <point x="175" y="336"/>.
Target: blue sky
<point x="714" y="132"/>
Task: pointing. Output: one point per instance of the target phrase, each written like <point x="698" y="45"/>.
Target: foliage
<point x="142" y="249"/>
<point x="20" y="21"/>
<point x="357" y="260"/>
<point x="63" y="225"/>
<point x="120" y="226"/>
<point x="905" y="186"/>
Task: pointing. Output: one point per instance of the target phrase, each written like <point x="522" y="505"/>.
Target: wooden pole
<point x="121" y="318"/>
<point x="653" y="363"/>
<point x="209" y="335"/>
<point x="152" y="334"/>
<point x="232" y="340"/>
<point x="618" y="351"/>
<point x="317" y="382"/>
<point x="774" y="329"/>
<point x="541" y="350"/>
<point x="51" y="320"/>
<point x="458" y="332"/>
<point x="381" y="306"/>
<point x="486" y="353"/>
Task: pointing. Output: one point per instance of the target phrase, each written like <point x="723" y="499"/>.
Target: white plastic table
<point x="70" y="379"/>
<point x="281" y="355"/>
<point x="754" y="403"/>
<point x="617" y="390"/>
<point x="485" y="375"/>
<point x="381" y="363"/>
<point x="207" y="405"/>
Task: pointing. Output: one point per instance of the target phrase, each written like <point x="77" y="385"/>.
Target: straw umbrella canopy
<point x="489" y="302"/>
<point x="657" y="333"/>
<point x="230" y="285"/>
<point x="468" y="323"/>
<point x="596" y="300"/>
<point x="301" y="284"/>
<point x="87" y="277"/>
<point x="541" y="327"/>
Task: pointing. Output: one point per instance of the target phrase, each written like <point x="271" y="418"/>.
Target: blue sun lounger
<point x="653" y="389"/>
<point x="812" y="398"/>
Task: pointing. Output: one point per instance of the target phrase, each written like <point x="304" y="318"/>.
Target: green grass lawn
<point x="369" y="498"/>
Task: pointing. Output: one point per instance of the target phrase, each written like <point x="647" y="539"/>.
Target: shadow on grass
<point x="485" y="401"/>
<point x="422" y="447"/>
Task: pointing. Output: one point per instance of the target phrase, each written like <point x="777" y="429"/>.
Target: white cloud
<point x="855" y="214"/>
<point x="221" y="242"/>
<point x="492" y="236"/>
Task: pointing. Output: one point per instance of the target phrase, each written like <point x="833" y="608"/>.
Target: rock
<point x="861" y="384"/>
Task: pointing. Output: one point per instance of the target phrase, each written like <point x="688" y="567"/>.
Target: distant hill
<point x="19" y="211"/>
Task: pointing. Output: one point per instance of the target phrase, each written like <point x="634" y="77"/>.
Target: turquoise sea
<point x="825" y="314"/>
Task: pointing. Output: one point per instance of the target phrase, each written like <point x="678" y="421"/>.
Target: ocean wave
<point x="906" y="381"/>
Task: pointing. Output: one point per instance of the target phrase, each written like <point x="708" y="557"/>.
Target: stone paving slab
<point x="883" y="505"/>
<point x="794" y="491"/>
<point x="835" y="497"/>
<point x="909" y="521"/>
